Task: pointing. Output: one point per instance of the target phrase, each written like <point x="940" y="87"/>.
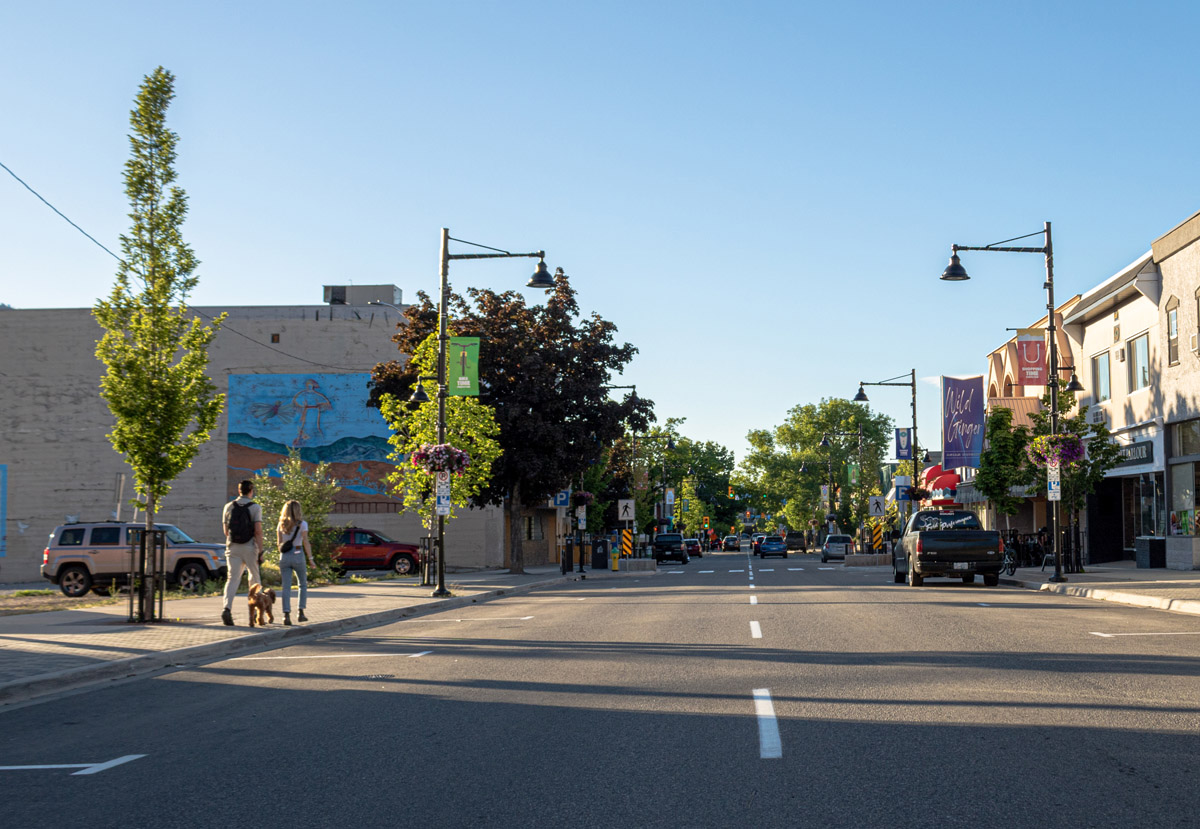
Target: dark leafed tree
<point x="155" y="352"/>
<point x="1002" y="463"/>
<point x="543" y="369"/>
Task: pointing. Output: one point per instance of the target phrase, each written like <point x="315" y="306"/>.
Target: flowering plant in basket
<point x="439" y="457"/>
<point x="1063" y="450"/>
<point x="582" y="498"/>
<point x="918" y="493"/>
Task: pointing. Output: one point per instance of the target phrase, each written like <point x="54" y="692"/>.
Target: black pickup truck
<point x="949" y="543"/>
<point x="670" y="545"/>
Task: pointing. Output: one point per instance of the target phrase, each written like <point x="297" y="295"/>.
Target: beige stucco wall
<point x="61" y="464"/>
<point x="1181" y="383"/>
<point x="1137" y="315"/>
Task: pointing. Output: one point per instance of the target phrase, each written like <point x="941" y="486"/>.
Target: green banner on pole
<point x="854" y="474"/>
<point x="464" y="367"/>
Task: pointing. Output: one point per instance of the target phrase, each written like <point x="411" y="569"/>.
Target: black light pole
<point x="858" y="507"/>
<point x="541" y="279"/>
<point x="955" y="272"/>
<point x="828" y="447"/>
<point x="861" y="397"/>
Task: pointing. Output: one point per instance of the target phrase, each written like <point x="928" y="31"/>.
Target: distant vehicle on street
<point x="772" y="545"/>
<point x="731" y="542"/>
<point x="755" y="540"/>
<point x="670" y="545"/>
<point x="95" y="556"/>
<point x="796" y="540"/>
<point x="949" y="543"/>
<point x="360" y="549"/>
<point x="836" y="546"/>
<point x="693" y="547"/>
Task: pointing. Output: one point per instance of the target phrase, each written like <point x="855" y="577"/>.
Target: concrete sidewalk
<point x="50" y="652"/>
<point x="1119" y="581"/>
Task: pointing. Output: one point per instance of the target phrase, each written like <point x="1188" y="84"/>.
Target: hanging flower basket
<point x="582" y="498"/>
<point x="1063" y="450"/>
<point x="917" y="493"/>
<point x="442" y="457"/>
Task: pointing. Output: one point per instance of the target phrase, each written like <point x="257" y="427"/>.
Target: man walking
<point x="242" y="520"/>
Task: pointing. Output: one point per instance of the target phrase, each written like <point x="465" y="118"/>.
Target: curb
<point x="35" y="687"/>
<point x="1190" y="606"/>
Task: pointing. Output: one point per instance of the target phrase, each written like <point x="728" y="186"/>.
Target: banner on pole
<point x="1031" y="357"/>
<point x="464" y="367"/>
<point x="904" y="445"/>
<point x="962" y="421"/>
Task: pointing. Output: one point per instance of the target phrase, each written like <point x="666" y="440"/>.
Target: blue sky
<point x="760" y="195"/>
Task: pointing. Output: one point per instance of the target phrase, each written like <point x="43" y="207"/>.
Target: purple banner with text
<point x="962" y="421"/>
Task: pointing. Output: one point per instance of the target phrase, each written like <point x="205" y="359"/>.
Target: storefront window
<point x="1142" y="497"/>
<point x="1139" y="362"/>
<point x="1100" y="377"/>
<point x="1183" y="498"/>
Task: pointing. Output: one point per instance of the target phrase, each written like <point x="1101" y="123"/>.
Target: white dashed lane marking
<point x="754" y="600"/>
<point x="755" y="630"/>
<point x="770" y="747"/>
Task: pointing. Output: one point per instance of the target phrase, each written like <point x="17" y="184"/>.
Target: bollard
<point x="615" y="557"/>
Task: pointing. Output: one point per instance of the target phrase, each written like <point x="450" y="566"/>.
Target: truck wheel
<point x="969" y="578"/>
<point x="403" y="565"/>
<point x="991" y="579"/>
<point x="74" y="581"/>
<point x="897" y="576"/>
<point x="915" y="579"/>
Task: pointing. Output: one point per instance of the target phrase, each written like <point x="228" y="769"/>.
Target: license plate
<point x="962" y="565"/>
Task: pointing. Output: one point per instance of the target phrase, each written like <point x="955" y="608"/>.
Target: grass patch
<point x="35" y="592"/>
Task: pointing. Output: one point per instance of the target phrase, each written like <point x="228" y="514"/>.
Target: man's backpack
<point x="241" y="523"/>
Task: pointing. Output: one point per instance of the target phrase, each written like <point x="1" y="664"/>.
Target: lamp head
<point x="824" y="444"/>
<point x="419" y="395"/>
<point x="670" y="444"/>
<point x="861" y="397"/>
<point x="803" y="468"/>
<point x="927" y="458"/>
<point x="955" y="272"/>
<point x="541" y="277"/>
<point x="1074" y="385"/>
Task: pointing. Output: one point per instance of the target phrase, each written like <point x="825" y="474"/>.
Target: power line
<point x="123" y="262"/>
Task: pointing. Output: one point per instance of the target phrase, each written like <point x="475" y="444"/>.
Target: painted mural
<point x="325" y="417"/>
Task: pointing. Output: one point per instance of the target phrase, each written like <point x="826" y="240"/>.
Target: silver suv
<point x="96" y="557"/>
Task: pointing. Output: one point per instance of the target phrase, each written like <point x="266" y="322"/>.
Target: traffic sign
<point x="625" y="510"/>
<point x="878" y="505"/>
<point x="443" y="504"/>
<point x="1053" y="490"/>
<point x="562" y="499"/>
<point x="443" y="489"/>
<point x="443" y="476"/>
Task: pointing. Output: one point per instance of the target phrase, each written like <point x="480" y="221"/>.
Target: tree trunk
<point x="516" y="533"/>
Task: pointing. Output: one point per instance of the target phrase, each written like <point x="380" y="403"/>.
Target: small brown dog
<point x="261" y="601"/>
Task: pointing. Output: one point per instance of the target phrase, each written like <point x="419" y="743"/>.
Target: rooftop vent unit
<point x="363" y="294"/>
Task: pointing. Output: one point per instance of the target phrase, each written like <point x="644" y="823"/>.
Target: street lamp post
<point x="861" y="397"/>
<point x="540" y="279"/>
<point x="825" y="443"/>
<point x="955" y="272"/>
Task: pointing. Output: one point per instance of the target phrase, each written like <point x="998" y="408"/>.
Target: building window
<point x="1100" y="382"/>
<point x="1183" y="499"/>
<point x="1187" y="438"/>
<point x="1173" y="331"/>
<point x="1139" y="362"/>
<point x="533" y="528"/>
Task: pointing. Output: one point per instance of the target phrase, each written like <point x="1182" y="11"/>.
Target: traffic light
<point x="731" y="492"/>
<point x="747" y="515"/>
<point x="706" y="522"/>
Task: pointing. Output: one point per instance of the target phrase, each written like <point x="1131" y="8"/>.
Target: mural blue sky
<point x="760" y="195"/>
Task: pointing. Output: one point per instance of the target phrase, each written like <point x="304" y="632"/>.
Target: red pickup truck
<point x="361" y="549"/>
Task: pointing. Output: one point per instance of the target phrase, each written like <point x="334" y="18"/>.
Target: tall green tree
<point x="544" y="371"/>
<point x="156" y="354"/>
<point x="1002" y="463"/>
<point x="314" y="487"/>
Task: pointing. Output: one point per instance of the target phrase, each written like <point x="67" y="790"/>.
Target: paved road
<point x="730" y="692"/>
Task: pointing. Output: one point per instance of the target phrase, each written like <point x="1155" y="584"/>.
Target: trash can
<point x="1150" y="552"/>
<point x="600" y="554"/>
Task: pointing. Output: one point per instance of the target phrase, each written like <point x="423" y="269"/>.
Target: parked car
<point x="670" y="545"/>
<point x="772" y="545"/>
<point x="950" y="543"/>
<point x="731" y="542"/>
<point x="96" y="556"/>
<point x="755" y="540"/>
<point x="796" y="540"/>
<point x="836" y="546"/>
<point x="693" y="547"/>
<point x="361" y="549"/>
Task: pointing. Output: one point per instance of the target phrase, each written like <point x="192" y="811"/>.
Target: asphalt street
<point x="727" y="692"/>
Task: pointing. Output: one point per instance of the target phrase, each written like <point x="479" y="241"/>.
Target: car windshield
<point x="669" y="537"/>
<point x="839" y="539"/>
<point x="176" y="535"/>
<point x="771" y="539"/>
<point x="731" y="538"/>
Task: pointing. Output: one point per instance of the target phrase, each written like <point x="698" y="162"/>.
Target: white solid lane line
<point x="1162" y="633"/>
<point x="754" y="600"/>
<point x="755" y="630"/>
<point x="84" y="768"/>
<point x="769" y="745"/>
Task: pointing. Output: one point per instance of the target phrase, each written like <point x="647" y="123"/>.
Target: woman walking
<point x="294" y="549"/>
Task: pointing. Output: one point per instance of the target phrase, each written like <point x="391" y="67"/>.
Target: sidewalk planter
<point x="1150" y="552"/>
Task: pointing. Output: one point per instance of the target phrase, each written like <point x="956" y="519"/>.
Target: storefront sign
<point x="962" y="421"/>
<point x="1031" y="356"/>
<point x="1138" y="453"/>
